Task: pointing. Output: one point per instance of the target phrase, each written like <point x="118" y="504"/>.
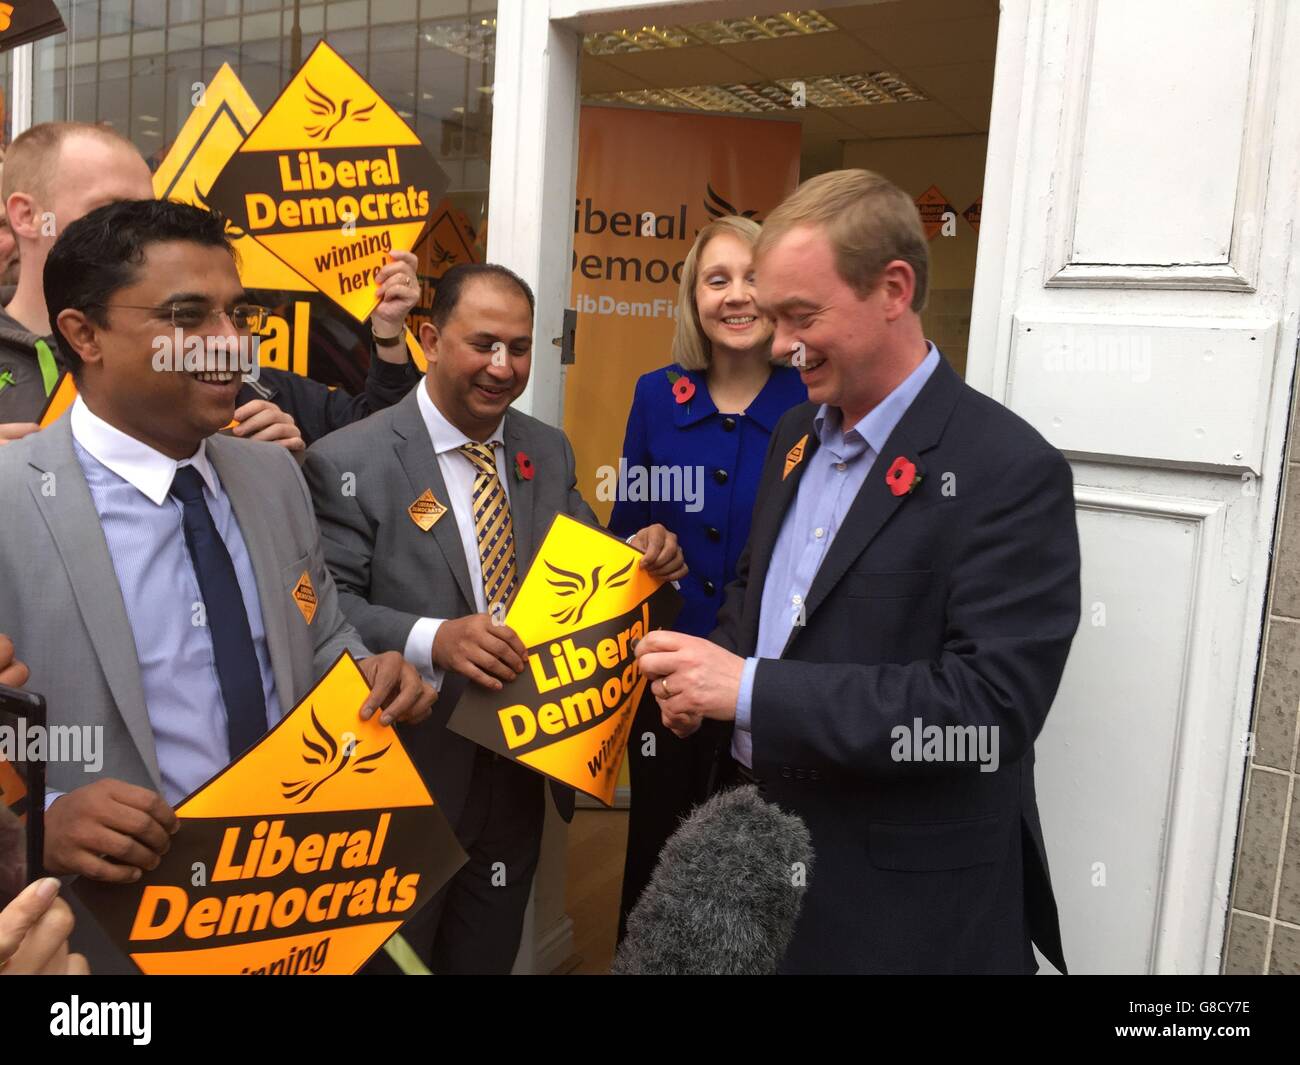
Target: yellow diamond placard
<point x="300" y="858"/>
<point x="330" y="180"/>
<point x="223" y="116"/>
<point x="583" y="605"/>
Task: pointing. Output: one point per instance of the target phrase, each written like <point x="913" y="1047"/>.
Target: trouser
<point x="473" y="925"/>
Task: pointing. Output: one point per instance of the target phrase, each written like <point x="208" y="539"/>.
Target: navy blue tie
<point x="232" y="639"/>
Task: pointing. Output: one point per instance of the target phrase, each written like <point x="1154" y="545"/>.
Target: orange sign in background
<point x="300" y="858"/>
<point x="330" y="180"/>
<point x="648" y="181"/>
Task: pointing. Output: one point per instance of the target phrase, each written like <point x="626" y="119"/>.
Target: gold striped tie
<point x="496" y="536"/>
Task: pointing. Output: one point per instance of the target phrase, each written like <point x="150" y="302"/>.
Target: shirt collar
<point x="876" y="425"/>
<point x="149" y="471"/>
<point x="445" y="436"/>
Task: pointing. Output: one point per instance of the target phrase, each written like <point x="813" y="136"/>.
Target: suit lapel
<point x="240" y="484"/>
<point x="420" y="464"/>
<point x="918" y="431"/>
<point x="69" y="513"/>
<point x="874" y="505"/>
<point x="770" y="515"/>
<point x="522" y="494"/>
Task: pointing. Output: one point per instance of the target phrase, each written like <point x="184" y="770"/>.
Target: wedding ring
<point x="663" y="681"/>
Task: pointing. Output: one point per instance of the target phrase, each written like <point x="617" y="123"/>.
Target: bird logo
<point x="332" y="114"/>
<point x="331" y="758"/>
<point x="570" y="584"/>
<point x="441" y="256"/>
<point x="718" y="207"/>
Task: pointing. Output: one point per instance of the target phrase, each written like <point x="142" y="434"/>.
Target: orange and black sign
<point x="934" y="209"/>
<point x="583" y="605"/>
<point x="330" y="180"/>
<point x="303" y="857"/>
<point x="24" y="21"/>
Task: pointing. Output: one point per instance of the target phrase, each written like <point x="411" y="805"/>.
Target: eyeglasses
<point x="245" y="317"/>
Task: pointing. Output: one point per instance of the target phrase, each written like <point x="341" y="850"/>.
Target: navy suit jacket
<point x="955" y="604"/>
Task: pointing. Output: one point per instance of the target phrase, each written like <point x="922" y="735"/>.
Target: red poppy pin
<point x="524" y="468"/>
<point x="683" y="386"/>
<point x="902" y="477"/>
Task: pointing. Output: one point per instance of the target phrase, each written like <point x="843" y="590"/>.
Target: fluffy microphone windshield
<point x="725" y="894"/>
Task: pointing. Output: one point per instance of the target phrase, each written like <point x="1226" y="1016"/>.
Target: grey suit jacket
<point x="390" y="573"/>
<point x="61" y="603"/>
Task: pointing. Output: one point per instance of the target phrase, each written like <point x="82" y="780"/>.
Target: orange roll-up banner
<point x="648" y="181"/>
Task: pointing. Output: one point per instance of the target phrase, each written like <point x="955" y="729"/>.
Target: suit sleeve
<point x="631" y="516"/>
<point x="348" y="539"/>
<point x="387" y="383"/>
<point x="334" y="634"/>
<point x="1011" y="614"/>
<point x="576" y="506"/>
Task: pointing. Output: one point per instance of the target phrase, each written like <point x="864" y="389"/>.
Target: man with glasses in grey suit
<point x="147" y="562"/>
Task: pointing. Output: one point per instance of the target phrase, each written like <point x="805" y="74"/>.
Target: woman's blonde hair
<point x="691" y="348"/>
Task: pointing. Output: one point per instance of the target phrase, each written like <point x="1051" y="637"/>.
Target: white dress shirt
<point x="130" y="486"/>
<point x="459" y="474"/>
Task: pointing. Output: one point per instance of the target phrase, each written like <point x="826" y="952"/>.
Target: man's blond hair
<point x="869" y="221"/>
<point x="32" y="161"/>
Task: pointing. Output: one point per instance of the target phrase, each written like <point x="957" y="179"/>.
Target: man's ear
<point x="429" y="338"/>
<point x="24" y="216"/>
<point x="897" y="284"/>
<point x="81" y="333"/>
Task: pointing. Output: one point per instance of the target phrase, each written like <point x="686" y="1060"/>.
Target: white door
<point x="1133" y="301"/>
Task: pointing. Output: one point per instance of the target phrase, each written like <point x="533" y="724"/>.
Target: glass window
<point x="134" y="64"/>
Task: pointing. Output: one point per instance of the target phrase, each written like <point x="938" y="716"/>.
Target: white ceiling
<point x="945" y="48"/>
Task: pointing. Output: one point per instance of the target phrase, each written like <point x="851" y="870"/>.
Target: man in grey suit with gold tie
<point x="430" y="513"/>
<point x="148" y="566"/>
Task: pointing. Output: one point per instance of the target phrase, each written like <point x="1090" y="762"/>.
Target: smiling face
<point x="170" y="410"/>
<point x="850" y="355"/>
<point x="480" y="359"/>
<point x="724" y="296"/>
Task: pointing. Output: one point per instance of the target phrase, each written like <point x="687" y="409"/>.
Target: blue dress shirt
<point x="836" y="471"/>
<point x="725" y="453"/>
<point x="129" y="485"/>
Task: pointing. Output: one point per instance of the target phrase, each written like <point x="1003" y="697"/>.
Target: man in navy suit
<point x="901" y="615"/>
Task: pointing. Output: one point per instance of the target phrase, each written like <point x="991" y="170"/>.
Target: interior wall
<point x="955" y="166"/>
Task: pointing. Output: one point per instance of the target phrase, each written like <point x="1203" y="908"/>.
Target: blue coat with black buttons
<point x="729" y="450"/>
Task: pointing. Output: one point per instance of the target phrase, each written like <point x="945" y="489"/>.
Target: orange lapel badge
<point x="795" y="455"/>
<point x="305" y="596"/>
<point x="426" y="510"/>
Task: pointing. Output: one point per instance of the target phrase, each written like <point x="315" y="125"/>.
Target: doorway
<point x="902" y="88"/>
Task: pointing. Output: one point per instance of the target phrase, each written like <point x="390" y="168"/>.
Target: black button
<point x="728" y="423"/>
<point x="709" y="587"/>
<point x="813" y="774"/>
<point x="720" y="476"/>
<point x="799" y="774"/>
<point x="785" y="772"/>
<point x="713" y="534"/>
